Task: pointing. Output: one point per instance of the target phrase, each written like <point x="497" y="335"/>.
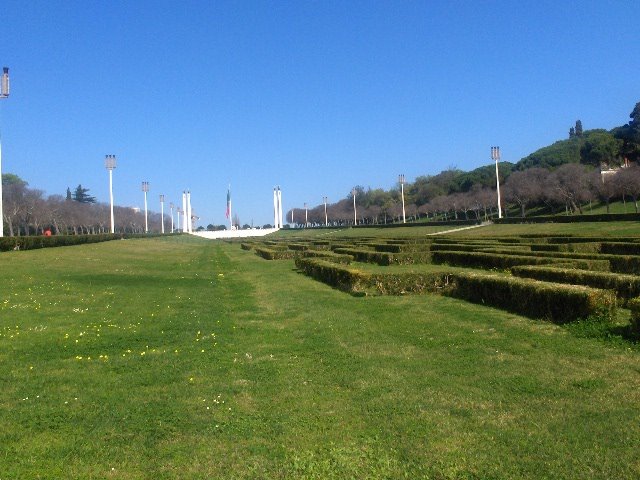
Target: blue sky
<point x="314" y="96"/>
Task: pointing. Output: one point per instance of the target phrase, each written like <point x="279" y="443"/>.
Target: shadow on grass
<point x="612" y="333"/>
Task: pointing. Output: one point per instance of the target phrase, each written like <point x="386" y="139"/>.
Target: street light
<point x="355" y="215"/>
<point x="162" y="213"/>
<point x="171" y="205"/>
<point x="110" y="164"/>
<point x="4" y="93"/>
<point x="401" y="180"/>
<point x="306" y="216"/>
<point x="326" y="219"/>
<point x="495" y="155"/>
<point x="145" y="189"/>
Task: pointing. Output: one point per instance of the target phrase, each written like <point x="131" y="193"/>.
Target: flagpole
<point x="229" y="207"/>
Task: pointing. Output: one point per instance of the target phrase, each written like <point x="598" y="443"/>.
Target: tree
<point x="569" y="185"/>
<point x="81" y="195"/>
<point x="572" y="132"/>
<point x="601" y="149"/>
<point x="605" y="188"/>
<point x="629" y="135"/>
<point x="628" y="182"/>
<point x="526" y="187"/>
<point x="578" y="129"/>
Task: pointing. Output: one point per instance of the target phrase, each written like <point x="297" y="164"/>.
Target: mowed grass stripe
<point x="300" y="380"/>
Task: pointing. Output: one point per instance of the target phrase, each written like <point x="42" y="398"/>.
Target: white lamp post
<point x="495" y="155"/>
<point x="401" y="180"/>
<point x="306" y="216"/>
<point x="110" y="164"/>
<point x="355" y="215"/>
<point x="171" y="205"/>
<point x="326" y="219"/>
<point x="4" y="93"/>
<point x="145" y="189"/>
<point x="162" y="213"/>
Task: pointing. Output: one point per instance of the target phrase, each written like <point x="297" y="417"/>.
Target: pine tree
<point x="81" y="195"/>
<point x="578" y="128"/>
<point x="572" y="132"/>
<point x="69" y="194"/>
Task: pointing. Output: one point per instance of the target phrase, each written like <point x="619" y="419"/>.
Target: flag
<point x="228" y="203"/>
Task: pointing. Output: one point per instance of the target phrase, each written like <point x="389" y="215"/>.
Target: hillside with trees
<point x="589" y="167"/>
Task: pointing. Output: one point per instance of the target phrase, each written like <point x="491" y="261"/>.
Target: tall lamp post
<point x="401" y="181"/>
<point x="306" y="216"/>
<point x="110" y="164"/>
<point x="495" y="155"/>
<point x="326" y="219"/>
<point x="4" y="93"/>
<point x="355" y="215"/>
<point x="145" y="189"/>
<point x="171" y="205"/>
<point x="162" y="213"/>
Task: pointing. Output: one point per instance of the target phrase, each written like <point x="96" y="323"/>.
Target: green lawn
<point x="185" y="358"/>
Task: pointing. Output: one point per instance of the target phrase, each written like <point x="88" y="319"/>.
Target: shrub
<point x="271" y="254"/>
<point x="328" y="256"/>
<point x="634" y="306"/>
<point x="487" y="260"/>
<point x="625" y="286"/>
<point x="342" y="277"/>
<point x="557" y="302"/>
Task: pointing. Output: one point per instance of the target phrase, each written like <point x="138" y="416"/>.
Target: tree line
<point x="28" y="211"/>
<point x="568" y="176"/>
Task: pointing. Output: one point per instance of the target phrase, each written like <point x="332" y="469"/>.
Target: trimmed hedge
<point x="386" y="258"/>
<point x="620" y="248"/>
<point x="634" y="306"/>
<point x="328" y="256"/>
<point x="402" y="283"/>
<point x="582" y="247"/>
<point x="604" y="217"/>
<point x="41" y="241"/>
<point x="625" y="286"/>
<point x="487" y="260"/>
<point x="554" y="301"/>
<point x="559" y="303"/>
<point x="342" y="277"/>
<point x="246" y="246"/>
<point x="401" y="247"/>
<point x="271" y="254"/>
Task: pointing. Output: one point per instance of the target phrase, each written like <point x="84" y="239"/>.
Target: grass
<point x="183" y="358"/>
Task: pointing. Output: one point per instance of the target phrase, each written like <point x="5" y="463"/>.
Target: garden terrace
<point x="533" y="274"/>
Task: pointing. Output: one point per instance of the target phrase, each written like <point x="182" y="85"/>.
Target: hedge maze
<point x="558" y="278"/>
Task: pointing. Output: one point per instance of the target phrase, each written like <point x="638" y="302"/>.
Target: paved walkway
<point x="259" y="232"/>
<point x="483" y="224"/>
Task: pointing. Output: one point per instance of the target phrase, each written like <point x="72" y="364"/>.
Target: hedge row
<point x="328" y="256"/>
<point x="634" y="306"/>
<point x="625" y="286"/>
<point x="247" y="246"/>
<point x="342" y="277"/>
<point x="618" y="263"/>
<point x="401" y="247"/>
<point x="409" y="282"/>
<point x="557" y="302"/>
<point x="487" y="260"/>
<point x="581" y="247"/>
<point x="35" y="242"/>
<point x="386" y="258"/>
<point x="620" y="248"/>
<point x="272" y="254"/>
<point x="604" y="217"/>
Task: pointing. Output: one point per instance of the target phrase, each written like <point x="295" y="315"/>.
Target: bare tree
<point x="525" y="188"/>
